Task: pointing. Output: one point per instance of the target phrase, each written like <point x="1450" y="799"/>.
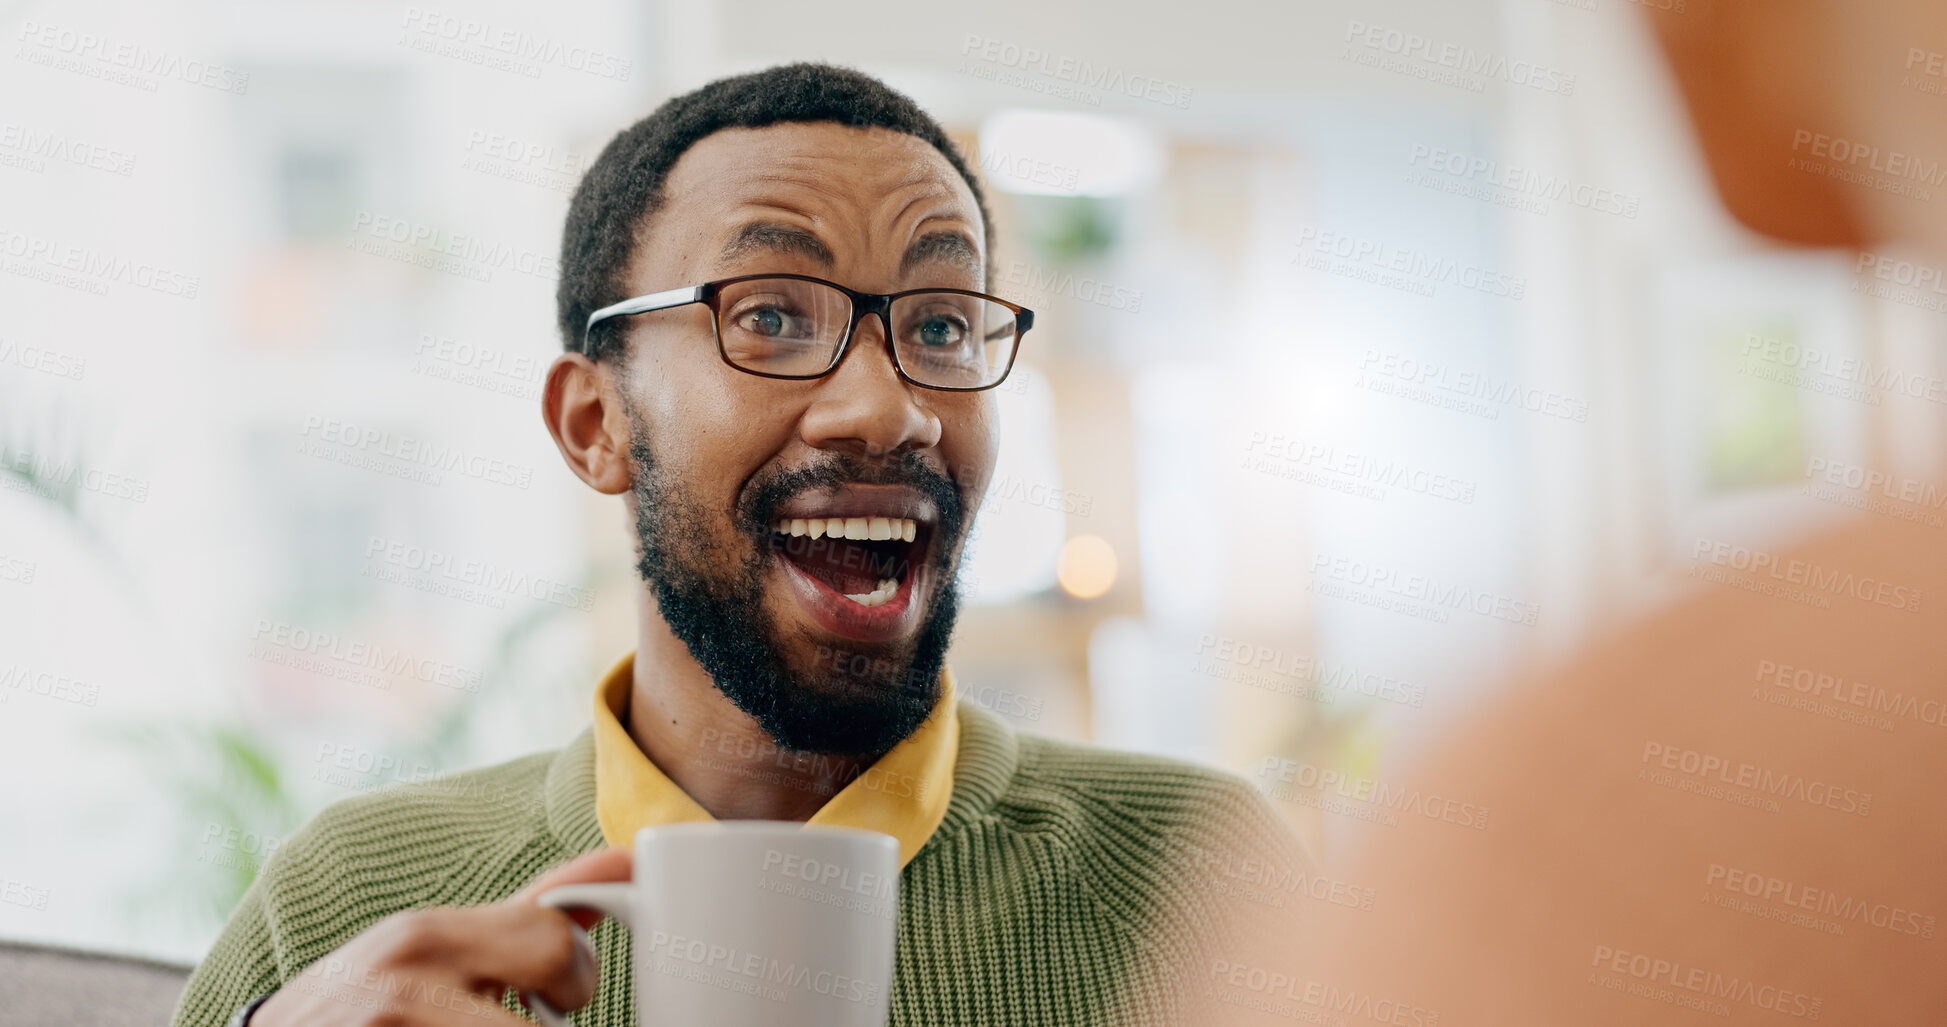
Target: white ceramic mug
<point x="747" y="922"/>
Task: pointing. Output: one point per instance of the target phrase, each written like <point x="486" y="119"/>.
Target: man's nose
<point x="864" y="404"/>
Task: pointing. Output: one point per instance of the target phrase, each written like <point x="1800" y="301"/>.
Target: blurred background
<point x="1383" y="350"/>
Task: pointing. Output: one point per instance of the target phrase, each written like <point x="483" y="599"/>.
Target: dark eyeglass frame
<point x="863" y="303"/>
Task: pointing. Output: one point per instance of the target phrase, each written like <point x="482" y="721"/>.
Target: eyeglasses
<point x="798" y="327"/>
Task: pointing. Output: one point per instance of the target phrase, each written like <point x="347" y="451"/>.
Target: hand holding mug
<point x="449" y="965"/>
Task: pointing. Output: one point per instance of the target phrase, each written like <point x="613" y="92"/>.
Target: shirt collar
<point x="903" y="794"/>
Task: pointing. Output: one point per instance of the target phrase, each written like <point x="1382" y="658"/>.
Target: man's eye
<point x="771" y="322"/>
<point x="939" y="330"/>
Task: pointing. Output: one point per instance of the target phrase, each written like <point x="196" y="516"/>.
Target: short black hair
<point x="624" y="186"/>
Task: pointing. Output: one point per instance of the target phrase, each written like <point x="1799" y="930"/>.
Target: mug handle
<point x="610" y="898"/>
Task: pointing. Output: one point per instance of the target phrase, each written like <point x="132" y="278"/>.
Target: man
<point x="1730" y="811"/>
<point x="801" y="458"/>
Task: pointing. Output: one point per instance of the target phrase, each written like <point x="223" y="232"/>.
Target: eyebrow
<point x="942" y="247"/>
<point x="775" y="237"/>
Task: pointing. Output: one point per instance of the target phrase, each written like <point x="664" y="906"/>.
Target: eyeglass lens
<point x="787" y="326"/>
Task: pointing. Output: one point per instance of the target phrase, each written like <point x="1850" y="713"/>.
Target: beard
<point x="852" y="699"/>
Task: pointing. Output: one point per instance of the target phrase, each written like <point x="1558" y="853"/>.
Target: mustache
<point x="764" y="496"/>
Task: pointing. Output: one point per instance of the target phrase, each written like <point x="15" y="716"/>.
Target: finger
<point x="460" y="1006"/>
<point x="516" y="944"/>
<point x="600" y="865"/>
<point x="434" y="998"/>
<point x="609" y="864"/>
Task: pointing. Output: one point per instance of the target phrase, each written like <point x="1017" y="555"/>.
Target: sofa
<point x="43" y="984"/>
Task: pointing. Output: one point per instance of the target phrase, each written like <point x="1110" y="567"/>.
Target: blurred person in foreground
<point x="1688" y="828"/>
<point x="778" y="354"/>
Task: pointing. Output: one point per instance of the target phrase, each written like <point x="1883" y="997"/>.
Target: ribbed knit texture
<point x="1066" y="885"/>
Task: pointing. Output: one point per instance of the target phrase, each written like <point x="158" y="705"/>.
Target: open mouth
<point x="870" y="559"/>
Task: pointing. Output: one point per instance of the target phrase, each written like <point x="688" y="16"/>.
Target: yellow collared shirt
<point x="904" y="794"/>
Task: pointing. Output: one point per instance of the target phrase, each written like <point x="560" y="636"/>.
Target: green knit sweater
<point x="1066" y="885"/>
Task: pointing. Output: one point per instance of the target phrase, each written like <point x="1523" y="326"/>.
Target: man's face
<point x="832" y="645"/>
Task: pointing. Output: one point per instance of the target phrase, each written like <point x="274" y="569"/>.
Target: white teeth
<point x="870" y="529"/>
<point x="888" y="588"/>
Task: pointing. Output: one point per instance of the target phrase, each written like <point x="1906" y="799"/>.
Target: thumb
<point x="600" y="865"/>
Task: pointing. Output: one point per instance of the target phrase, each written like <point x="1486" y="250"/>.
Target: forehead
<point x="859" y="190"/>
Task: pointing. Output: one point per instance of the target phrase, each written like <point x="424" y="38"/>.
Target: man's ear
<point x="582" y="405"/>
